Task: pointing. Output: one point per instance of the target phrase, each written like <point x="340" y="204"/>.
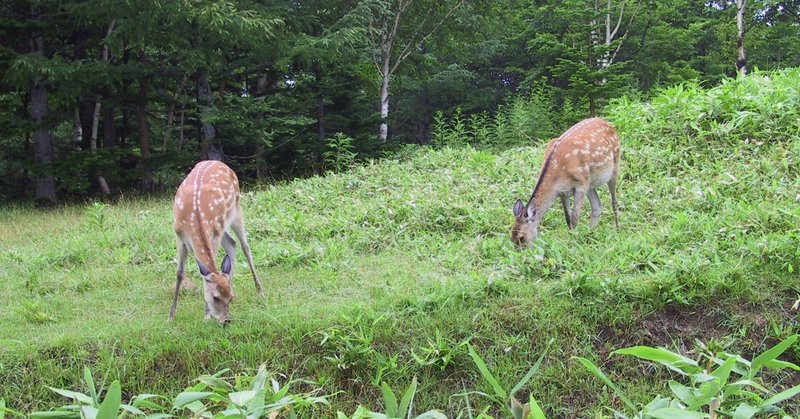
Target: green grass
<point x="412" y="255"/>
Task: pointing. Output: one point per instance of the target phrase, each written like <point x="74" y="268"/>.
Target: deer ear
<point x="518" y="208"/>
<point x="203" y="270"/>
<point x="530" y="211"/>
<point x="227" y="265"/>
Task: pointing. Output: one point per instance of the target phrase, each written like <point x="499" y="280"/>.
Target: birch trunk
<point x="741" y="61"/>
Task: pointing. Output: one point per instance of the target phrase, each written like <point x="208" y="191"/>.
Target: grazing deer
<point x="206" y="207"/>
<point x="583" y="158"/>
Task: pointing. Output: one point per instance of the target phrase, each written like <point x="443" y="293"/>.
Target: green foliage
<point x="712" y="387"/>
<point x="761" y="108"/>
<point x="393" y="409"/>
<point x="340" y="154"/>
<point x="34" y="313"/>
<point x="501" y="396"/>
<point x="211" y="397"/>
<point x="522" y="121"/>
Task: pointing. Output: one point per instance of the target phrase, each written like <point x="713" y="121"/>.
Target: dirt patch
<point x="672" y="327"/>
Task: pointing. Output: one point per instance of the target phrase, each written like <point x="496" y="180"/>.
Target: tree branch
<point x="425" y="38"/>
<point x="624" y="35"/>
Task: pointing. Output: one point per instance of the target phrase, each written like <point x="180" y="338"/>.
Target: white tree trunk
<point x="741" y="61"/>
<point x="385" y="74"/>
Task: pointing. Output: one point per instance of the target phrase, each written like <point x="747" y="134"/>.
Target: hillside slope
<point x="411" y="257"/>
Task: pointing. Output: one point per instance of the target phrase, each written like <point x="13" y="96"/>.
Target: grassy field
<point x="383" y="272"/>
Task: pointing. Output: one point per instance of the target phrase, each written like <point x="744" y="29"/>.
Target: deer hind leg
<point x="238" y="229"/>
<point x="612" y="189"/>
<point x="565" y="205"/>
<point x="182" y="252"/>
<point x="594" y="200"/>
<point x="230" y="249"/>
<point x="577" y="204"/>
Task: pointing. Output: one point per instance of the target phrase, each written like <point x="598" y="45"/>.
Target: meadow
<point x="395" y="268"/>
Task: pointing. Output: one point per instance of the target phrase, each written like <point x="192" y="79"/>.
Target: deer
<point x="205" y="209"/>
<point x="583" y="158"/>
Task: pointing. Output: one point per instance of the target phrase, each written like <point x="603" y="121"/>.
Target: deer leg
<point x="612" y="189"/>
<point x="230" y="249"/>
<point x="182" y="252"/>
<point x="238" y="229"/>
<point x="565" y="205"/>
<point x="577" y="204"/>
<point x="594" y="200"/>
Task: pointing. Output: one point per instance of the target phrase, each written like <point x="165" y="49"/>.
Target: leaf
<point x="536" y="411"/>
<point x="744" y="411"/>
<point x="80" y="397"/>
<point x="88" y="412"/>
<point x="675" y="413"/>
<point x="771" y="354"/>
<point x="241" y="398"/>
<point x="183" y="399"/>
<point x="518" y="410"/>
<point x="671" y="360"/>
<point x="724" y="371"/>
<point x="215" y="382"/>
<point x="131" y="409"/>
<point x="685" y="394"/>
<point x="389" y="400"/>
<point x="110" y="406"/>
<point x="89" y="380"/>
<point x="143" y="400"/>
<point x="158" y="416"/>
<point x="432" y="414"/>
<point x="260" y="380"/>
<point x="498" y="391"/>
<point x="779" y="365"/>
<point x="56" y="414"/>
<point x="532" y="371"/>
<point x="599" y="374"/>
<point x="404" y="410"/>
<point x="783" y="395"/>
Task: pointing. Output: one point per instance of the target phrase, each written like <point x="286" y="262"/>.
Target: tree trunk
<point x="77" y="130"/>
<point x="171" y="114"/>
<point x="144" y="134"/>
<point x="180" y="132"/>
<point x="42" y="143"/>
<point x="109" y="127"/>
<point x="741" y="61"/>
<point x="109" y="132"/>
<point x="320" y="106"/>
<point x="205" y="104"/>
<point x="385" y="74"/>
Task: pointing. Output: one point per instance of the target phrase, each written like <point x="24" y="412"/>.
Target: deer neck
<point x="542" y="198"/>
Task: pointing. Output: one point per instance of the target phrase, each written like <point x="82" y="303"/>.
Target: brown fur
<point x="576" y="163"/>
<point x="206" y="206"/>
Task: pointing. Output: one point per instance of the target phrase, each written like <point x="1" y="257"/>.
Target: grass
<point x="384" y="273"/>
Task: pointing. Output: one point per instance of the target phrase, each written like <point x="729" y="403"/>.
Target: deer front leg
<point x="580" y="195"/>
<point x="230" y="249"/>
<point x="238" y="229"/>
<point x="612" y="189"/>
<point x="182" y="251"/>
<point x="565" y="205"/>
<point x="594" y="200"/>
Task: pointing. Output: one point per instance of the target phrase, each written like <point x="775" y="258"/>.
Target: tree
<point x="396" y="33"/>
<point x="741" y="61"/>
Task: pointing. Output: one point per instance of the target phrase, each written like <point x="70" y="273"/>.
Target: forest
<point x="106" y="97"/>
